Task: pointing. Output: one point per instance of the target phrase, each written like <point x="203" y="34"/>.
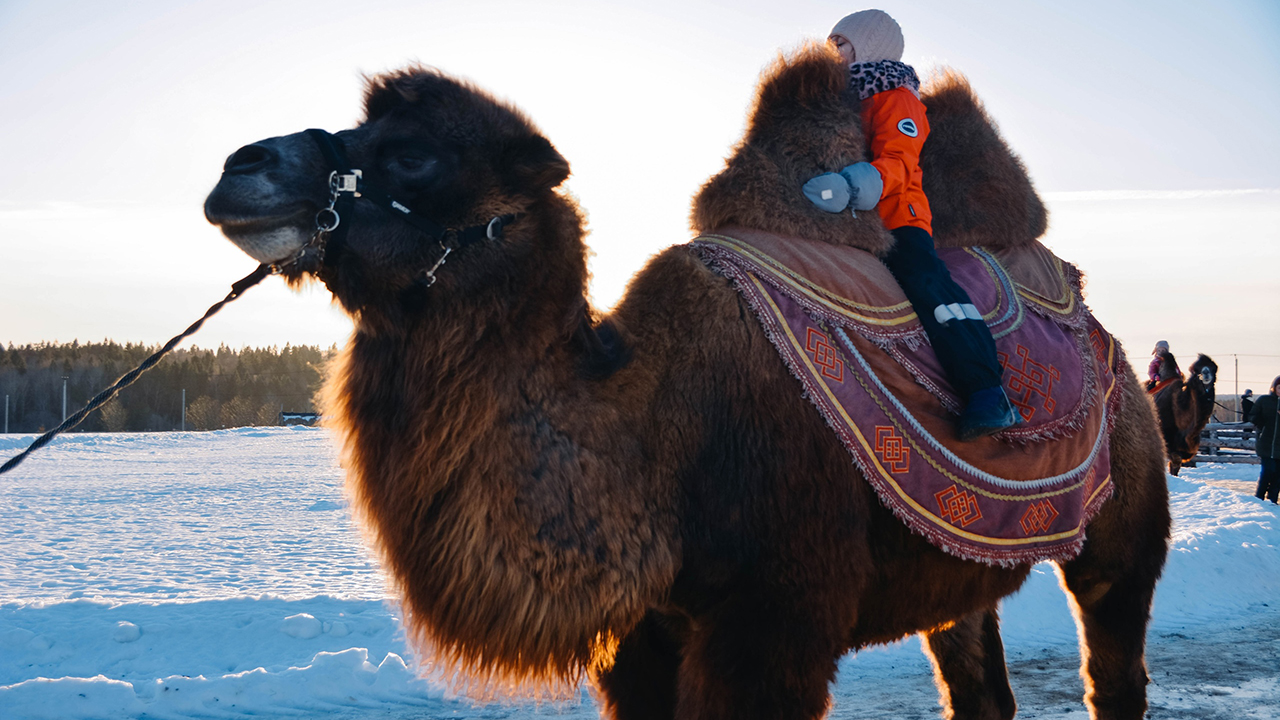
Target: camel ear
<point x="533" y="163"/>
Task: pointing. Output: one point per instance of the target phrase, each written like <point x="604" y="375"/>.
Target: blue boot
<point x="988" y="412"/>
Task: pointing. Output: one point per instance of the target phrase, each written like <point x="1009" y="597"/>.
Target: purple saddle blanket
<point x="847" y="332"/>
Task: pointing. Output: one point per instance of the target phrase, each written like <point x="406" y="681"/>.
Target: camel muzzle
<point x="276" y="237"/>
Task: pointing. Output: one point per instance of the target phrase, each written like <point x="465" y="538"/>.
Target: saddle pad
<point x="847" y="332"/>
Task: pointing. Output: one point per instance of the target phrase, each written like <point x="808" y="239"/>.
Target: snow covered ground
<point x="218" y="575"/>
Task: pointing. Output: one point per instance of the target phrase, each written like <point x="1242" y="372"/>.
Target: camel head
<point x="804" y="122"/>
<point x="1203" y="374"/>
<point x="439" y="147"/>
<point x="1185" y="409"/>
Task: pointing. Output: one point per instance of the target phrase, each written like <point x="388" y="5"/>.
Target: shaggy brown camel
<point x="645" y="497"/>
<point x="1183" y="409"/>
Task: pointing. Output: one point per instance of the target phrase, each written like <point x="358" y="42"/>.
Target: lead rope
<point x="237" y="289"/>
<point x="345" y="185"/>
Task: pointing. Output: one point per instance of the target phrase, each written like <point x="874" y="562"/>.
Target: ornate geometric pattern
<point x="1038" y="517"/>
<point x="824" y="355"/>
<point x="893" y="452"/>
<point x="1099" y="345"/>
<point x="1028" y="380"/>
<point x="958" y="506"/>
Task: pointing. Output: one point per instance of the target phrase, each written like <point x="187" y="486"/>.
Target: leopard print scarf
<point x="869" y="78"/>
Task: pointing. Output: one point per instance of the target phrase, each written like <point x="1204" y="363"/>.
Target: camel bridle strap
<point x="347" y="183"/>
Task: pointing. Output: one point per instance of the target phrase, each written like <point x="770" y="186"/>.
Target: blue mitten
<point x="865" y="184"/>
<point x="828" y="191"/>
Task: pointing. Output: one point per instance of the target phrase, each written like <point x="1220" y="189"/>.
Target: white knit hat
<point x="874" y="35"/>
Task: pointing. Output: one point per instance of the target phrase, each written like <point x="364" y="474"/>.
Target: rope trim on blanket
<point x="784" y="333"/>
<point x="817" y="293"/>
<point x="952" y="457"/>
<point x="1005" y="286"/>
<point x="899" y="502"/>
<point x="1069" y="310"/>
<point x="721" y="250"/>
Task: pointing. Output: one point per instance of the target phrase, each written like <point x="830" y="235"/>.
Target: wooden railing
<point x="1231" y="442"/>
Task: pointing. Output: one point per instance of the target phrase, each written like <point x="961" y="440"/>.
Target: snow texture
<point x="219" y="575"/>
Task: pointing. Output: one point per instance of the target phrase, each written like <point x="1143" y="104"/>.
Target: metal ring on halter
<point x="324" y="215"/>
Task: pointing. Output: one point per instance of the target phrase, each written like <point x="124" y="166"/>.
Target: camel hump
<point x="806" y="122"/>
<point x="811" y="79"/>
<point x="978" y="189"/>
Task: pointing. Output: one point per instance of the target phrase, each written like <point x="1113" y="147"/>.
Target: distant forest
<point x="224" y="387"/>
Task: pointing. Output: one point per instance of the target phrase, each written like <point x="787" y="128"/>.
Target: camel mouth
<point x="242" y="225"/>
<point x="267" y="239"/>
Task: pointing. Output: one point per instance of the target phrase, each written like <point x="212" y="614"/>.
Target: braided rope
<point x="128" y="378"/>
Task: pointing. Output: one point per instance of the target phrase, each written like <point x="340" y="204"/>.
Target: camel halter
<point x="346" y="184"/>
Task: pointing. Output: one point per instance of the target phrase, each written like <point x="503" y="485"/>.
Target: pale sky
<point x="1149" y="127"/>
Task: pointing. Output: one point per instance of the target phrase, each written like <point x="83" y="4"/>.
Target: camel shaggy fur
<point x="644" y="497"/>
<point x="1183" y="409"/>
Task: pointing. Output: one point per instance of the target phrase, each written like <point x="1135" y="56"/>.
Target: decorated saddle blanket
<point x="847" y="332"/>
<point x="1154" y="389"/>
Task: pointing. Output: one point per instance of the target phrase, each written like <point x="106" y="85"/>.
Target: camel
<point x="1183" y="408"/>
<point x="642" y="498"/>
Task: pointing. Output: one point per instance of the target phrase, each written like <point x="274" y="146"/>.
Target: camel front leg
<point x="750" y="659"/>
<point x="641" y="685"/>
<point x="969" y="667"/>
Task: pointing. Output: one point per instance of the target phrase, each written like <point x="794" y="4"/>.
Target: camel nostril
<point x="249" y="159"/>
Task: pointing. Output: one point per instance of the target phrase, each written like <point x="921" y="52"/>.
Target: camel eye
<point x="413" y="164"/>
<point x="416" y="164"/>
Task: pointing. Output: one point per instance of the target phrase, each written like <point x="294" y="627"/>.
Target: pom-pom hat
<point x="874" y="35"/>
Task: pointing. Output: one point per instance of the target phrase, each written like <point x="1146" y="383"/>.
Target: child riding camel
<point x="894" y="123"/>
<point x="1163" y="366"/>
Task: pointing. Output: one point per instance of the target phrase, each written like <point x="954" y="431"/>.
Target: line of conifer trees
<point x="224" y="387"/>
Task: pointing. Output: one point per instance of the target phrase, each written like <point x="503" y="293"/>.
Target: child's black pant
<point x="964" y="346"/>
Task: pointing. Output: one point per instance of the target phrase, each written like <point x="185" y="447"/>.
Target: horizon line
<point x="1103" y="195"/>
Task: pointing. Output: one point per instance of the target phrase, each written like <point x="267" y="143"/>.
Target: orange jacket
<point x="896" y="129"/>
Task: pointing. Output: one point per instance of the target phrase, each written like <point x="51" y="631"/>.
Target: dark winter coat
<point x="1265" y="419"/>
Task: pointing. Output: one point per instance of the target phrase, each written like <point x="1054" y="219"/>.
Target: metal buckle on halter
<point x="349" y="183"/>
